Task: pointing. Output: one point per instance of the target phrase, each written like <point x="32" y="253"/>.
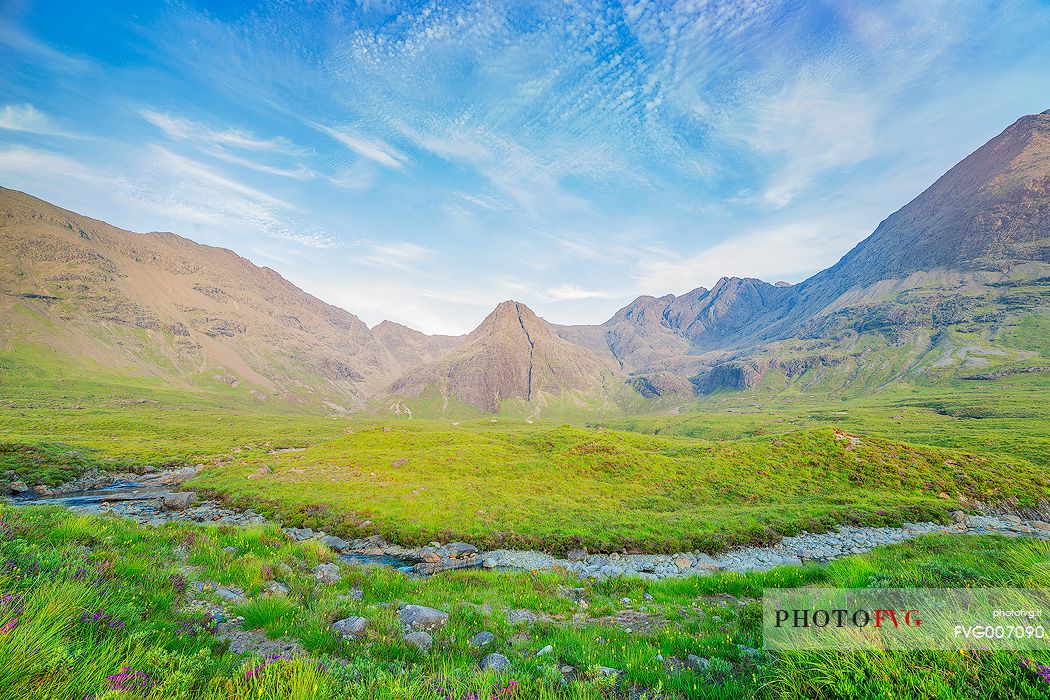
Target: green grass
<point x="61" y="565"/>
<point x="557" y="487"/>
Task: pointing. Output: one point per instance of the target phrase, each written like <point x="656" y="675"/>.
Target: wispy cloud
<point x="183" y="129"/>
<point x="26" y="117"/>
<point x="372" y="149"/>
<point x="400" y="256"/>
<point x="571" y="292"/>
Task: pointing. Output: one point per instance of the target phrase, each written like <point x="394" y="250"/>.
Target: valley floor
<point x="105" y="608"/>
<point x="92" y="605"/>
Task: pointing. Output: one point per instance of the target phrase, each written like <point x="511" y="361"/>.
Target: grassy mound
<point x="499" y="484"/>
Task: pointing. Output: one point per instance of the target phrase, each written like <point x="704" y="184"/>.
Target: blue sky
<point x="423" y="161"/>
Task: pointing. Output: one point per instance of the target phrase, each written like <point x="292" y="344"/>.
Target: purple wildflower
<point x="130" y="681"/>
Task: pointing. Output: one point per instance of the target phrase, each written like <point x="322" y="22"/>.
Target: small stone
<point x="697" y="663"/>
<point x="625" y="601"/>
<point x="418" y="617"/>
<point x="481" y="639"/>
<point x="230" y="550"/>
<point x="490" y="563"/>
<point x="545" y="650"/>
<point x="495" y="662"/>
<point x="420" y="640"/>
<point x="350" y="627"/>
<point x="682" y="563"/>
<point x="647" y="597"/>
<point x="399" y="462"/>
<point x="960" y="518"/>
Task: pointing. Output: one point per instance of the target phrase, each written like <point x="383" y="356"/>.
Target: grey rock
<point x="545" y="650"/>
<point x="230" y="550"/>
<point x="495" y="662"/>
<point x="350" y="627"/>
<point x="300" y="534"/>
<point x="231" y="594"/>
<point x="458" y="550"/>
<point x="576" y="554"/>
<point x="337" y="544"/>
<point x="418" y="617"/>
<point x="327" y="574"/>
<point x="482" y="639"/>
<point x="19" y="487"/>
<point x="420" y="640"/>
<point x="275" y="588"/>
<point x="697" y="663"/>
<point x="178" y="501"/>
<point x="517" y="617"/>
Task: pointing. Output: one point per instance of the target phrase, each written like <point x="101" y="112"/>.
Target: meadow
<point x="92" y="606"/>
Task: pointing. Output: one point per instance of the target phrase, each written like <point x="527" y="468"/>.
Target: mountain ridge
<point x="161" y="304"/>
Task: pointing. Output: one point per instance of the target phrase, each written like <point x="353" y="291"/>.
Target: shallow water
<point x="404" y="565"/>
<point x="121" y="491"/>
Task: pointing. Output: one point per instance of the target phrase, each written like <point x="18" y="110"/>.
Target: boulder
<point x="275" y="588"/>
<point x="576" y="554"/>
<point x="336" y="544"/>
<point x="300" y="534"/>
<point x="458" y="550"/>
<point x="327" y="574"/>
<point x="495" y="662"/>
<point x="178" y="501"/>
<point x="426" y="568"/>
<point x="420" y="640"/>
<point x="18" y="487"/>
<point x="40" y="490"/>
<point x="350" y="627"/>
<point x="482" y="639"/>
<point x="418" y="617"/>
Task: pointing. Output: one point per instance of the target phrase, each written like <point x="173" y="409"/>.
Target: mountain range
<point x="954" y="284"/>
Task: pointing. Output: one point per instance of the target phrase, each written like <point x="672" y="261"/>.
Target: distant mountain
<point x="408" y="348"/>
<point x="513" y="354"/>
<point x="926" y="267"/>
<point x="191" y="315"/>
<point x="956" y="280"/>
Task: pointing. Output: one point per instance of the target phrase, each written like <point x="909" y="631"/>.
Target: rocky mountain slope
<point x="513" y="354"/>
<point x="956" y="282"/>
<point x="941" y="262"/>
<point x="160" y="305"/>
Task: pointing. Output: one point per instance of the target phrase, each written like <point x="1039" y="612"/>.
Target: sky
<point x="421" y="162"/>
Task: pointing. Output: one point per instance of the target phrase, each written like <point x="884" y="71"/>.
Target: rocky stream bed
<point x="153" y="499"/>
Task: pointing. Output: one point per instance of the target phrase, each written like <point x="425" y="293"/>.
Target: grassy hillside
<point x="1007" y="416"/>
<point x="558" y="487"/>
<point x="93" y="605"/>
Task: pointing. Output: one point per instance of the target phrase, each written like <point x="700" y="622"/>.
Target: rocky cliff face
<point x="986" y="220"/>
<point x="513" y="354"/>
